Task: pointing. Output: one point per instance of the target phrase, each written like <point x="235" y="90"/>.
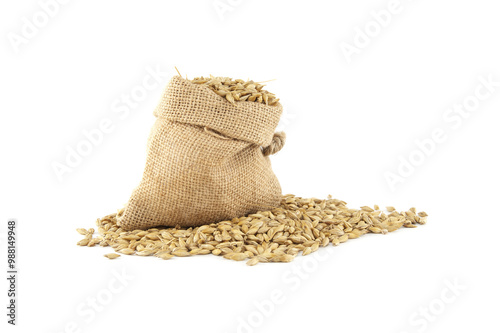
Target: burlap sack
<point x="206" y="160"/>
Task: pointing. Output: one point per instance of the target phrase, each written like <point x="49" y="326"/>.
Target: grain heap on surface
<point x="238" y="90"/>
<point x="298" y="225"/>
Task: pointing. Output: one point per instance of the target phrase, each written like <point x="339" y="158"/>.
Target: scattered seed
<point x="127" y="251"/>
<point x="145" y="253"/>
<point x="82" y="231"/>
<point x="297" y="225"/>
<point x="83" y="242"/>
<point x="252" y="262"/>
<point x="164" y="255"/>
<point x="181" y="253"/>
<point x="112" y="255"/>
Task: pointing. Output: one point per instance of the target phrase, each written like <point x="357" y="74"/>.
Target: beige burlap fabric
<point x="206" y="160"/>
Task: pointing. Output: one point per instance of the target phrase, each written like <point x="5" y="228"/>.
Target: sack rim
<point x="187" y="102"/>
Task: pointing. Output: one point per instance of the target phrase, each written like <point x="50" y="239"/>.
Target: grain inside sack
<point x="208" y="186"/>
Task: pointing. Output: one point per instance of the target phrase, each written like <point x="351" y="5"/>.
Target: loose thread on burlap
<point x="276" y="144"/>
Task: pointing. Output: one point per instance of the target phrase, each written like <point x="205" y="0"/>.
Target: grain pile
<point x="238" y="90"/>
<point x="297" y="225"/>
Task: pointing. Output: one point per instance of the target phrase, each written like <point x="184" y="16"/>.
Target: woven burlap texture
<point x="204" y="160"/>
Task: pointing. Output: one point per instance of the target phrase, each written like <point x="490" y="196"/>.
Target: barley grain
<point x="238" y="90"/>
<point x="112" y="255"/>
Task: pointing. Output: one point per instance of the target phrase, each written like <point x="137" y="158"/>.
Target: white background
<point x="347" y="122"/>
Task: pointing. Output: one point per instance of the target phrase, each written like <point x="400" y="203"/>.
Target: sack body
<point x="205" y="160"/>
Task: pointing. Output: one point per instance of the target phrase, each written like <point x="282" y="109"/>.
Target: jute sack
<point x="206" y="160"/>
